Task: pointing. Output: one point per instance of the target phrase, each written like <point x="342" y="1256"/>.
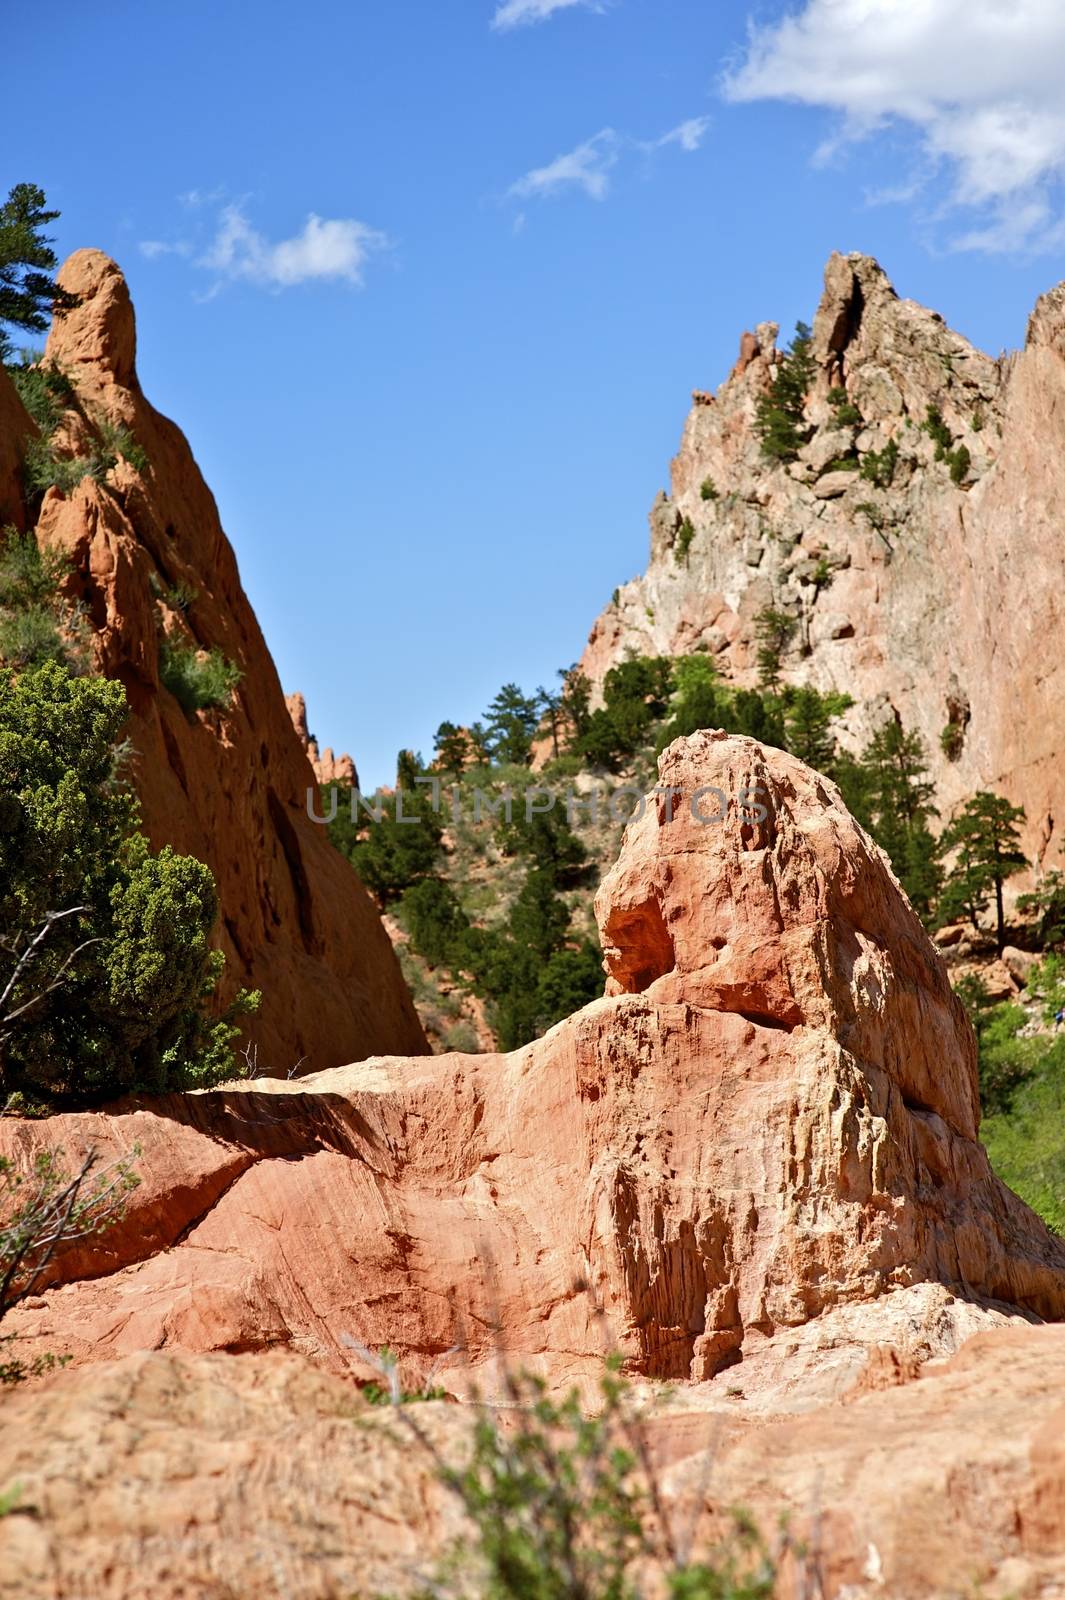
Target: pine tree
<point x="781" y="418"/>
<point x="807" y="728"/>
<point x="452" y="748"/>
<point x="576" y="700"/>
<point x="989" y="851"/>
<point x="774" y="631"/>
<point x="512" y="720"/>
<point x="28" y="292"/>
<point x="899" y="794"/>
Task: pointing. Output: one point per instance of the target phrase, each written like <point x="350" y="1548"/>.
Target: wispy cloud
<point x="523" y="13"/>
<point x="689" y="135"/>
<point x="325" y="249"/>
<point x="982" y="84"/>
<point x="588" y="168"/>
<point x="337" y="248"/>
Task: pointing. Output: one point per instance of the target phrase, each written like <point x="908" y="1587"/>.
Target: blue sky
<point x="427" y="283"/>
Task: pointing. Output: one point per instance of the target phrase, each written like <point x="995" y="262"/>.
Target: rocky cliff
<point x="150" y="559"/>
<point x="752" y="1167"/>
<point x="925" y="597"/>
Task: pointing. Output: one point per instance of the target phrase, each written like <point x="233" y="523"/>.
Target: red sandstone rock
<point x="228" y="786"/>
<point x="763" y="1138"/>
<point x="327" y="767"/>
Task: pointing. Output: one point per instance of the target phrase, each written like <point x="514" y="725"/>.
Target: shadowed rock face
<point x="923" y="597"/>
<point x="770" y="1145"/>
<point x="229" y="787"/>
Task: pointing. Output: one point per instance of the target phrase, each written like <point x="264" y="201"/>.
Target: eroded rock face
<point x="921" y="597"/>
<point x="229" y="786"/>
<point x="763" y="1138"/>
<point x="328" y="768"/>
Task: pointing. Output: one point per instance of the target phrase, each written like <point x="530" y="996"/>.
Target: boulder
<point x="762" y="1139"/>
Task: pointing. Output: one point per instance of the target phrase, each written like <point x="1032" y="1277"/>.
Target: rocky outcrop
<point x="752" y="1167"/>
<point x="930" y="596"/>
<point x="168" y="1475"/>
<point x="228" y="784"/>
<point x="761" y="1141"/>
<point x="328" y="768"/>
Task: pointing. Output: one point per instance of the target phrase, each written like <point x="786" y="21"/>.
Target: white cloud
<point x="588" y="167"/>
<point x="983" y="81"/>
<point x="521" y="13"/>
<point x="154" y="248"/>
<point x="689" y="135"/>
<point x="585" y="168"/>
<point x="326" y="248"/>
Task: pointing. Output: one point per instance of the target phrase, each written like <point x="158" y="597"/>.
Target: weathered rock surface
<point x="941" y="596"/>
<point x="201" y="1477"/>
<point x="770" y="1120"/>
<point x="751" y="1166"/>
<point x="328" y="768"/>
<point x="229" y="786"/>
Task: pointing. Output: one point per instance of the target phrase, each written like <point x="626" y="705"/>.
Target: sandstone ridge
<point x="149" y="558"/>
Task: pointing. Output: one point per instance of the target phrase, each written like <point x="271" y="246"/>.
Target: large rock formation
<point x="149" y="557"/>
<point x="752" y="1166"/>
<point x="925" y="597"/>
<point x="763" y="1139"/>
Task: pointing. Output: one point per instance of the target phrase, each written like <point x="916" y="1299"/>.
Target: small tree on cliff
<point x="781" y="418"/>
<point x="28" y="292"/>
<point x="989" y="851"/>
<point x="106" y="966"/>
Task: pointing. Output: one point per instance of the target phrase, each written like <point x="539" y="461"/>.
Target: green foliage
<point x="398" y="851"/>
<point x="952" y="740"/>
<point x="564" y="1507"/>
<point x="116" y="440"/>
<point x="895" y="803"/>
<point x="698" y="703"/>
<point x="35" y="623"/>
<point x="576" y="701"/>
<point x="1005" y="1060"/>
<point x="843" y="464"/>
<point x="28" y="292"/>
<point x="878" y="467"/>
<point x="774" y="631"/>
<point x="780" y="421"/>
<point x="1047" y="902"/>
<point x="683" y="542"/>
<point x="451" y="748"/>
<point x="635" y="695"/>
<point x="708" y="489"/>
<point x="846" y="412"/>
<point x="432" y="915"/>
<point x="938" y="432"/>
<point x="512" y="720"/>
<point x="42" y="469"/>
<point x="197" y="680"/>
<point x="29" y="636"/>
<point x="988" y="851"/>
<point x="41" y="1211"/>
<point x="960" y="462"/>
<point x="807" y="728"/>
<point x="45" y="391"/>
<point x="545" y="839"/>
<point x="106" y="968"/>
